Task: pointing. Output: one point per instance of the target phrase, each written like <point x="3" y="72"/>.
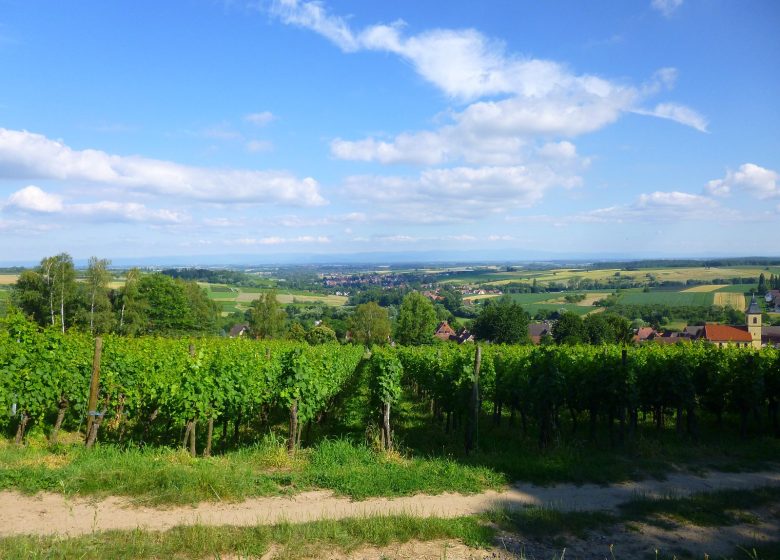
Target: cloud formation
<point x="666" y="7"/>
<point x="512" y="102"/>
<point x="26" y="155"/>
<point x="753" y="179"/>
<point x="33" y="199"/>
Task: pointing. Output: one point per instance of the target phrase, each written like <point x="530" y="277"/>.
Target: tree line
<point x="54" y="296"/>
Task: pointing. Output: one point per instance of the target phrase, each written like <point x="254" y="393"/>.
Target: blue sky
<point x="197" y="127"/>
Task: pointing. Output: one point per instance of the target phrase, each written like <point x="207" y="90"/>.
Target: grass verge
<point x="164" y="476"/>
<point x="308" y="540"/>
<point x="710" y="509"/>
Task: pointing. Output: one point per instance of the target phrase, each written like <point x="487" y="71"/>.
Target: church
<point x="749" y="335"/>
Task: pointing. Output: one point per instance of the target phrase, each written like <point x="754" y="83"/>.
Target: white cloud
<point x="540" y="97"/>
<point x="456" y="194"/>
<point x="276" y="240"/>
<point x="110" y="211"/>
<point x="758" y="181"/>
<point x="677" y="113"/>
<point x="661" y="206"/>
<point x="28" y="155"/>
<point x="34" y="199"/>
<point x="666" y="7"/>
<point x="510" y="99"/>
<point x="260" y="119"/>
<point x="257" y="146"/>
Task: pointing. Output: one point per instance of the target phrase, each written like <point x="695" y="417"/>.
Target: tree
<point x="98" y="277"/>
<point x="321" y="334"/>
<point x="762" y="289"/>
<point x="296" y="332"/>
<point x="607" y="328"/>
<point x="453" y="299"/>
<point x="30" y="294"/>
<point x="49" y="292"/>
<point x="172" y="306"/>
<point x="266" y="316"/>
<point x="569" y="329"/>
<point x="132" y="307"/>
<point x="502" y="321"/>
<point x="370" y="324"/>
<point x="416" y="320"/>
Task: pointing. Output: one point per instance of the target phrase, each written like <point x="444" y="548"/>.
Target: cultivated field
<point x="704" y="288"/>
<point x="8" y="279"/>
<point x="737" y="301"/>
<point x="702" y="274"/>
<point x="666" y="298"/>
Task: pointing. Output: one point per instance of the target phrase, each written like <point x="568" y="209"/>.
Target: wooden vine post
<point x="292" y="441"/>
<point x="472" y="428"/>
<point x="190" y="432"/>
<point x="93" y="416"/>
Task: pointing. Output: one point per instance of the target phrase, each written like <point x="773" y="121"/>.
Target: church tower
<point x="753" y="320"/>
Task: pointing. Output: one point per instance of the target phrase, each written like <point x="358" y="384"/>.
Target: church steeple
<point x="753" y="321"/>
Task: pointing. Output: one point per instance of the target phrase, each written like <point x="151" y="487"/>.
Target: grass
<point x="164" y="476"/>
<point x="667" y="298"/>
<point x="710" y="509"/>
<point x="306" y="540"/>
<point x="543" y="522"/>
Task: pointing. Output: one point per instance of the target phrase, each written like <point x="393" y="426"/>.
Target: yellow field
<point x="7" y="279"/>
<point x="332" y="300"/>
<point x="659" y="274"/>
<point x="479" y="296"/>
<point x="590" y="299"/>
<point x="704" y="288"/>
<point x="737" y="301"/>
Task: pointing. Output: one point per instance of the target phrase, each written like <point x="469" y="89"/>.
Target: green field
<point x="533" y="308"/>
<point x="738" y="288"/>
<point x="667" y="298"/>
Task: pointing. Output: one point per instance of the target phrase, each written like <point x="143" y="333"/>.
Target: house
<point x="239" y="330"/>
<point x="444" y="331"/>
<point x="536" y="331"/>
<point x="772" y="299"/>
<point x="770" y="336"/>
<point x="464" y="336"/>
<point x="645" y="333"/>
<point x="723" y="335"/>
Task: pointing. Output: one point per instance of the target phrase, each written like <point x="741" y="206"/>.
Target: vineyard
<point x="179" y="392"/>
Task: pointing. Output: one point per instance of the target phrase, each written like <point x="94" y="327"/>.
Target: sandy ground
<point x="48" y="513"/>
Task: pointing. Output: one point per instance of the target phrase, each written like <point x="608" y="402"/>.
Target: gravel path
<point x="46" y="513"/>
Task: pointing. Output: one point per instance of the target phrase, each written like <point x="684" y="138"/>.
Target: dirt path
<point x="57" y="514"/>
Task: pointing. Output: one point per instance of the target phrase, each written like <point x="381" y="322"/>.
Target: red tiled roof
<point x="726" y="333"/>
<point x="444" y="331"/>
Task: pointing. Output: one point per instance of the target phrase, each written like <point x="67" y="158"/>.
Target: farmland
<point x="496" y="277"/>
<point x="237" y="299"/>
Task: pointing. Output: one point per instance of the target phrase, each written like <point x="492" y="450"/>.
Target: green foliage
<point x="569" y="329"/>
<point x="370" y="324"/>
<point x="416" y="320"/>
<point x="266" y="316"/>
<point x="173" y="306"/>
<point x="502" y="321"/>
<point x="321" y="334"/>
<point x="385" y="380"/>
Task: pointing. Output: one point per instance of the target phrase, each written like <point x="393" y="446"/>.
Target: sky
<point x="141" y="129"/>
